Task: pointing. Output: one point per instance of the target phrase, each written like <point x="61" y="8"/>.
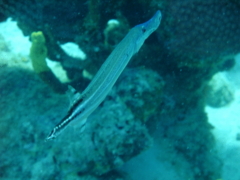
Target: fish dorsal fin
<point x="73" y="95"/>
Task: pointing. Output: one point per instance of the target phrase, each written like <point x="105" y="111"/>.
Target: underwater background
<point x="174" y="113"/>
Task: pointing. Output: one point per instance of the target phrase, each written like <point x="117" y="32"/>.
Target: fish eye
<point x="143" y="29"/>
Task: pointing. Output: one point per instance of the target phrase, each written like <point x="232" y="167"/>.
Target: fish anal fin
<point x="73" y="95"/>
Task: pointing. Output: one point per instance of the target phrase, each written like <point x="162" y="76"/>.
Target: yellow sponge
<point x="38" y="52"/>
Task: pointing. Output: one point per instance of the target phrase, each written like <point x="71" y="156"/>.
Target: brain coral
<point x="202" y="32"/>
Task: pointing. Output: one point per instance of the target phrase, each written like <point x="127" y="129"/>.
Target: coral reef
<point x="141" y="90"/>
<point x="190" y="136"/>
<point x="112" y="137"/>
<point x="202" y="33"/>
<point x="181" y="24"/>
<point x="196" y="40"/>
<point x="33" y="18"/>
<point x="219" y="91"/>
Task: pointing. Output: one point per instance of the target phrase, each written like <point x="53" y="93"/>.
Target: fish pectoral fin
<point x="83" y="125"/>
<point x="79" y="125"/>
<point x="73" y="95"/>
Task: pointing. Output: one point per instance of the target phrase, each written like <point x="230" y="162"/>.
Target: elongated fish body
<point x="83" y="105"/>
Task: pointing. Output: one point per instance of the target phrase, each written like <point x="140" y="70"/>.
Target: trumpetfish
<point x="84" y="104"/>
